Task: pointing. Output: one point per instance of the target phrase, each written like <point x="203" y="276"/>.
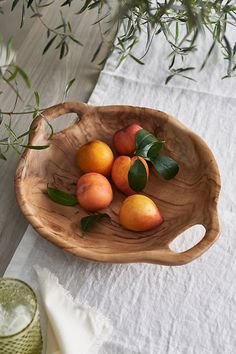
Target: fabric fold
<point x="74" y="328"/>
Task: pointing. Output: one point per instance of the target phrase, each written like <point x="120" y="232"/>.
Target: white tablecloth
<point x="156" y="309"/>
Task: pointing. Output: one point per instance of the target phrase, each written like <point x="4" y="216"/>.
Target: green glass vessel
<point x="20" y="331"/>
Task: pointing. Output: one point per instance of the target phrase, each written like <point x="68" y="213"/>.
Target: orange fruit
<point x="120" y="171"/>
<point x="95" y="156"/>
<point x="139" y="213"/>
<point x="94" y="191"/>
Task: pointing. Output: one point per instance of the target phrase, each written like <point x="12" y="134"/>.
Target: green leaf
<point x="67" y="88"/>
<point x="146" y="141"/>
<point x="48" y="45"/>
<point x="143" y="152"/>
<point x="136" y="59"/>
<point x="172" y="62"/>
<point x="169" y="78"/>
<point x="10" y="131"/>
<point x="37" y="98"/>
<point x="208" y="55"/>
<point x="143" y="138"/>
<point x="181" y="70"/>
<point x="35" y="147"/>
<point x="22" y="16"/>
<point x="36" y="14"/>
<point x="35" y="114"/>
<point x="165" y="166"/>
<point x="229" y="55"/>
<point x="13" y="75"/>
<point x="84" y="7"/>
<point x="76" y="41"/>
<point x="64" y="50"/>
<point x="176" y="31"/>
<point x="29" y="3"/>
<point x="95" y="4"/>
<point x="137" y="176"/>
<point x="24" y="76"/>
<point x="69" y="26"/>
<point x="88" y="221"/>
<point x="155" y="149"/>
<point x="67" y="2"/>
<point x="149" y="150"/>
<point x="61" y="197"/>
<point x="50" y="127"/>
<point x="15" y="2"/>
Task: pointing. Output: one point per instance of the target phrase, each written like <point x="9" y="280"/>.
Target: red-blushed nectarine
<point x="94" y="191"/>
<point x="120" y="170"/>
<point x="139" y="213"/>
<point x="124" y="140"/>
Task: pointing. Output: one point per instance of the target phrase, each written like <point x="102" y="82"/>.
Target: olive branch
<point x="182" y="23"/>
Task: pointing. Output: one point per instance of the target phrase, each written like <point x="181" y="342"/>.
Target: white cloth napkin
<point x="73" y="328"/>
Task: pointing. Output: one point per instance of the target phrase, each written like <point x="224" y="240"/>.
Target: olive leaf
<point x="67" y="88"/>
<point x="35" y="147"/>
<point x="88" y="221"/>
<point x="37" y="98"/>
<point x="24" y="76"/>
<point x="61" y="197"/>
<point x="165" y="166"/>
<point x="48" y="45"/>
<point x="137" y="176"/>
<point x="14" y="3"/>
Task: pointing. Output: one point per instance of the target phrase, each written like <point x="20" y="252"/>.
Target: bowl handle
<point x="38" y="124"/>
<point x="211" y="235"/>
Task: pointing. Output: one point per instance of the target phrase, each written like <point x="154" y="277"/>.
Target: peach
<point x="95" y="156"/>
<point x="139" y="213"/>
<point x="94" y="191"/>
<point x="124" y="139"/>
<point x="120" y="170"/>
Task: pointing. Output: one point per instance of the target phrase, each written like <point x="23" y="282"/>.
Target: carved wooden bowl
<point x="188" y="199"/>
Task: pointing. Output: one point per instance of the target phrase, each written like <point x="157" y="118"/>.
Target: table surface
<point x="49" y="76"/>
<point x="156" y="309"/>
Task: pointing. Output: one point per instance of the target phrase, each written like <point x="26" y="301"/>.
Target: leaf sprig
<point x="149" y="147"/>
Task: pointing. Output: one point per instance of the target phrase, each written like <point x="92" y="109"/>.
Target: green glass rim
<point x="35" y="310"/>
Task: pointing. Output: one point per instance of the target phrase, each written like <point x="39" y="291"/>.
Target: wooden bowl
<point x="188" y="199"/>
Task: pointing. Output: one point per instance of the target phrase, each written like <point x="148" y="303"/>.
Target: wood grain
<point x="49" y="76"/>
<point x="189" y="199"/>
